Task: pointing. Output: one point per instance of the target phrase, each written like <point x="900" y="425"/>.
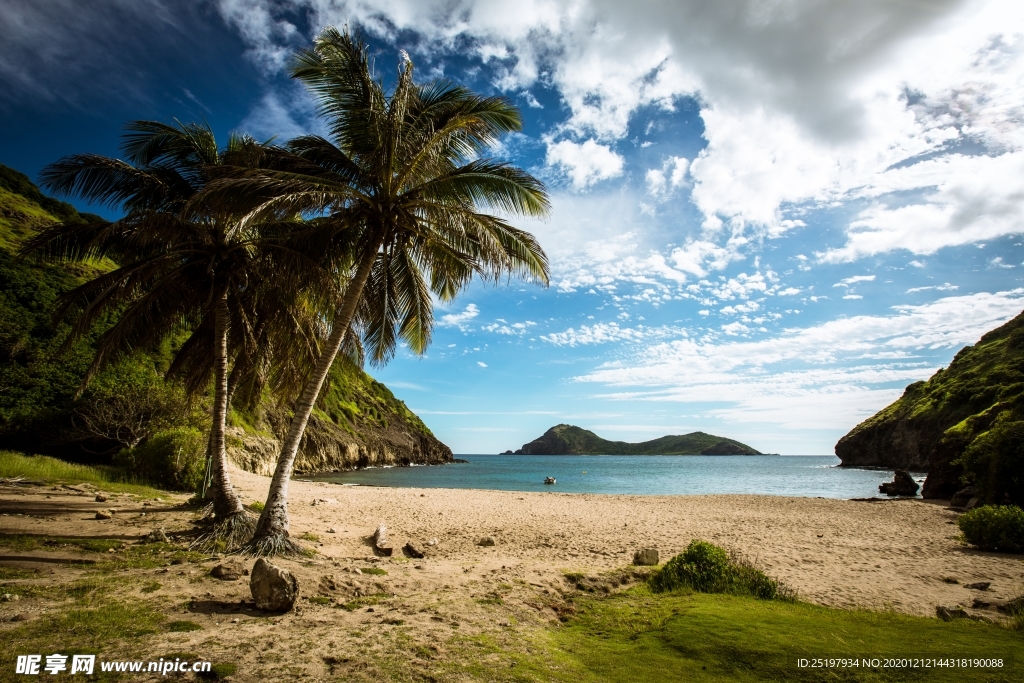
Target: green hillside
<point x="39" y="412"/>
<point x="566" y="439"/>
<point x="965" y="425"/>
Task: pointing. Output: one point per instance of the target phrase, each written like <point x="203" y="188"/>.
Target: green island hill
<point x="358" y="421"/>
<point x="964" y="426"/>
<point x="566" y="439"/>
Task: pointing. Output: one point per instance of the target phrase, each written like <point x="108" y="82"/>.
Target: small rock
<point x="235" y="621"/>
<point x="100" y="498"/>
<point x="369" y="609"/>
<point x="979" y="586"/>
<point x="20" y="617"/>
<point x="155" y="536"/>
<point x="357" y="570"/>
<point x="417" y="566"/>
<point x="328" y="584"/>
<point x="646" y="557"/>
<point x="331" y="531"/>
<point x="981" y="604"/>
<point x="902" y="484"/>
<point x="275" y="589"/>
<point x="961" y="497"/>
<point x="949" y="579"/>
<point x="951" y="613"/>
<point x="9" y="597"/>
<point x="413" y="551"/>
<point x="103" y="514"/>
<point x="229" y="571"/>
<point x="432" y="542"/>
<point x="486" y="541"/>
<point x="179" y="560"/>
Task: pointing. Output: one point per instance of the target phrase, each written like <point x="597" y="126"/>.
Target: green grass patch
<point x="373" y="570"/>
<point x="256" y="506"/>
<point x="152" y="587"/>
<point x="76" y="631"/>
<point x="55" y="471"/>
<point x="365" y="601"/>
<point x="320" y="599"/>
<point x="183" y="626"/>
<point x="719" y="637"/>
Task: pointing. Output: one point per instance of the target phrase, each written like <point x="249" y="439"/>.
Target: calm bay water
<point x="809" y="476"/>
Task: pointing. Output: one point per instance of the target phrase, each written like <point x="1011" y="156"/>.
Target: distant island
<point x="566" y="439"/>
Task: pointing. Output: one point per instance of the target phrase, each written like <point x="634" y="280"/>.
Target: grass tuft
<point x="54" y="471"/>
<point x="183" y="626"/>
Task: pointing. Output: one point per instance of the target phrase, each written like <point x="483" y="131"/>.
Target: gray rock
<point x="274" y="588"/>
<point x="902" y="484"/>
<point x="646" y="557"/>
<point x="229" y="571"/>
<point x="961" y="497"/>
<point x="486" y="541"/>
<point x="951" y="613"/>
<point x="9" y="597"/>
<point x="155" y="536"/>
<point x="979" y="586"/>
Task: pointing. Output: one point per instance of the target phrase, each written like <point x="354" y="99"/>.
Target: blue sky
<point x="768" y="217"/>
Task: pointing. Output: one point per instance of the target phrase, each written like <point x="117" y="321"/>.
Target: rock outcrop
<point x="962" y="426"/>
<point x="566" y="439"/>
<point x="902" y="484"/>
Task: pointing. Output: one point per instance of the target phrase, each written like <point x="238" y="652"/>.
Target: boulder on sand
<point x="274" y="588"/>
<point x="646" y="557"/>
<point x="902" y="484"/>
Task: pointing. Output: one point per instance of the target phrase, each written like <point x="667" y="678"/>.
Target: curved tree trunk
<point x="225" y="501"/>
<point x="272" y="529"/>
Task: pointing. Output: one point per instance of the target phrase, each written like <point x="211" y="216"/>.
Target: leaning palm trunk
<point x="271" y="535"/>
<point x="231" y="523"/>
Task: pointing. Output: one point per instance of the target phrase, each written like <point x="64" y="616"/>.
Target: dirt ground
<point x="362" y="616"/>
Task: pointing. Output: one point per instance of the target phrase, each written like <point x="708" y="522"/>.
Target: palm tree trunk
<point x="272" y="529"/>
<point x="225" y="502"/>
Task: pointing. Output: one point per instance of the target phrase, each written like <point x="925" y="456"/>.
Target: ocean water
<point x="809" y="476"/>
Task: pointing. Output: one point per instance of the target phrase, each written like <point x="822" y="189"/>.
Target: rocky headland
<point x="566" y="439"/>
<point x="962" y="426"/>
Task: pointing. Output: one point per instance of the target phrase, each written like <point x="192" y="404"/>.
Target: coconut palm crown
<point x="177" y="268"/>
<point x="402" y="187"/>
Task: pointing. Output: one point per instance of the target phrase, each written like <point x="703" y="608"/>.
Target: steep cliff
<point x="958" y="425"/>
<point x="358" y="421"/>
<point x="566" y="439"/>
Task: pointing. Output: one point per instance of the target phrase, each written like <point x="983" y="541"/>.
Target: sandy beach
<point x="898" y="555"/>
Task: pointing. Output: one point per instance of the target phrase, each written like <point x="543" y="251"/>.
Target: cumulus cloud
<point x="459" y="320"/>
<point x="661" y="182"/>
<point x="603" y="333"/>
<point x="585" y="163"/>
<point x="814" y="373"/>
<point x="803" y="104"/>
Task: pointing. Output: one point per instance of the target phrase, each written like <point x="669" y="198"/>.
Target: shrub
<point x="994" y="527"/>
<point x="174" y="458"/>
<point x="706" y="568"/>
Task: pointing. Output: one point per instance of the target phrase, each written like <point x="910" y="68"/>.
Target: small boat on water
<point x="549" y="480"/>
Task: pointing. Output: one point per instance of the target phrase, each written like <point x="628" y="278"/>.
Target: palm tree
<point x="401" y="183"/>
<point x="178" y="268"/>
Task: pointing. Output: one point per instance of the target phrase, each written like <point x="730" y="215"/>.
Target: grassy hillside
<point x="38" y="409"/>
<point x="566" y="439"/>
<point x="965" y="425"/>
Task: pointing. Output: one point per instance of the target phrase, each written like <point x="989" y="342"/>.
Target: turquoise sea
<point x="811" y="476"/>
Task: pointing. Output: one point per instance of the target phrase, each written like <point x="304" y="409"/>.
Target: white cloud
<point x="661" y="182"/>
<point x="946" y="287"/>
<point x="604" y="333"/>
<point x="846" y="282"/>
<point x="805" y="104"/>
<point x="459" y="320"/>
<point x="811" y="374"/>
<point x="585" y="163"/>
<point x="506" y="328"/>
<point x="481" y="364"/>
